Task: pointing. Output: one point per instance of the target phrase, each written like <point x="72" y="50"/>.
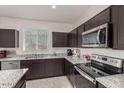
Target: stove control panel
<point x="107" y="60"/>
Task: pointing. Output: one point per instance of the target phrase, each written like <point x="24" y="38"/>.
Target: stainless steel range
<point x="100" y="66"/>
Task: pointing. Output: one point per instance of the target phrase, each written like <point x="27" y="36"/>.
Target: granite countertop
<point x="73" y="60"/>
<point x="9" y="78"/>
<point x="112" y="81"/>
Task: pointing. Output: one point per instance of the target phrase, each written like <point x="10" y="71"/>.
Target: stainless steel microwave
<point x="96" y="37"/>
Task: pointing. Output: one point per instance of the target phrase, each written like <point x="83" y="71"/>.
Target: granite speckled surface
<point x="73" y="60"/>
<point x="112" y="81"/>
<point x="9" y="78"/>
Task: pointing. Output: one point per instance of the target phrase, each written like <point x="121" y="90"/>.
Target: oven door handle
<point x="85" y="75"/>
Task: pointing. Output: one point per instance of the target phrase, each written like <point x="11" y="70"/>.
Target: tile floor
<point x="54" y="82"/>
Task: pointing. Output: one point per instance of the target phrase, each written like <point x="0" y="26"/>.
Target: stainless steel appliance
<point x="96" y="37"/>
<point x="6" y="65"/>
<point x="100" y="66"/>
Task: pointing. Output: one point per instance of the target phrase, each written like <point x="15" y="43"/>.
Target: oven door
<point x="82" y="80"/>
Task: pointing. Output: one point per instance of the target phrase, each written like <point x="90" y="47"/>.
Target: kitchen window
<point x="35" y="39"/>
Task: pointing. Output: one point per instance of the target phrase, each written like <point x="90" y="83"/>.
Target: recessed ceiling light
<point x="53" y="6"/>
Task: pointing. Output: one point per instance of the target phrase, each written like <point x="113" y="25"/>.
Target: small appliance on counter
<point x="3" y="53"/>
<point x="69" y="52"/>
<point x="76" y="52"/>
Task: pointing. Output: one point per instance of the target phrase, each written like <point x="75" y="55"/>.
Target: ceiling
<point x="62" y="13"/>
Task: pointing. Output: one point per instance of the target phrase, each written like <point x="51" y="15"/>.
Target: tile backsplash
<point x="103" y="51"/>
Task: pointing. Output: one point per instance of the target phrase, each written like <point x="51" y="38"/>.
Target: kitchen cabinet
<point x="59" y="39"/>
<point x="72" y="38"/>
<point x="114" y="22"/>
<point x="118" y="28"/>
<point x="70" y="72"/>
<point x="43" y="68"/>
<point x="67" y="68"/>
<point x="117" y="21"/>
<point x="99" y="19"/>
<point x="54" y="67"/>
<point x="9" y="38"/>
<point x="36" y="68"/>
<point x="80" y="31"/>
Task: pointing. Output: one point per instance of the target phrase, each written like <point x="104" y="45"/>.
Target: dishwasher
<point x="6" y="65"/>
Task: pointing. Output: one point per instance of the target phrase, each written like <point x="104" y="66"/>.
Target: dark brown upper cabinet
<point x="80" y="31"/>
<point x="59" y="39"/>
<point x="72" y="38"/>
<point x="117" y="20"/>
<point x="9" y="38"/>
<point x="101" y="18"/>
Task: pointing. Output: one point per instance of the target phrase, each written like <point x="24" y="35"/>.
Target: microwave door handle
<point x="98" y="38"/>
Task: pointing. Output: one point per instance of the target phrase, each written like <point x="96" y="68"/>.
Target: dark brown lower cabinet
<point x="70" y="72"/>
<point x="43" y="68"/>
<point x="54" y="67"/>
<point x="36" y="68"/>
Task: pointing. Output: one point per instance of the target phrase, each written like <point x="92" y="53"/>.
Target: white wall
<point x="92" y="11"/>
<point x="21" y="24"/>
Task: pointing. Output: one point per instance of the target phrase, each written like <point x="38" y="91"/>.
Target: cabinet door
<point x="36" y="68"/>
<point x="114" y="22"/>
<point x="9" y="38"/>
<point x="70" y="39"/>
<point x="54" y="67"/>
<point x="70" y="72"/>
<point x="80" y="31"/>
<point x="73" y="38"/>
<point x="120" y="27"/>
<point x="71" y="75"/>
<point x="67" y="68"/>
<point x="25" y="64"/>
<point x="99" y="19"/>
<point x="59" y="39"/>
